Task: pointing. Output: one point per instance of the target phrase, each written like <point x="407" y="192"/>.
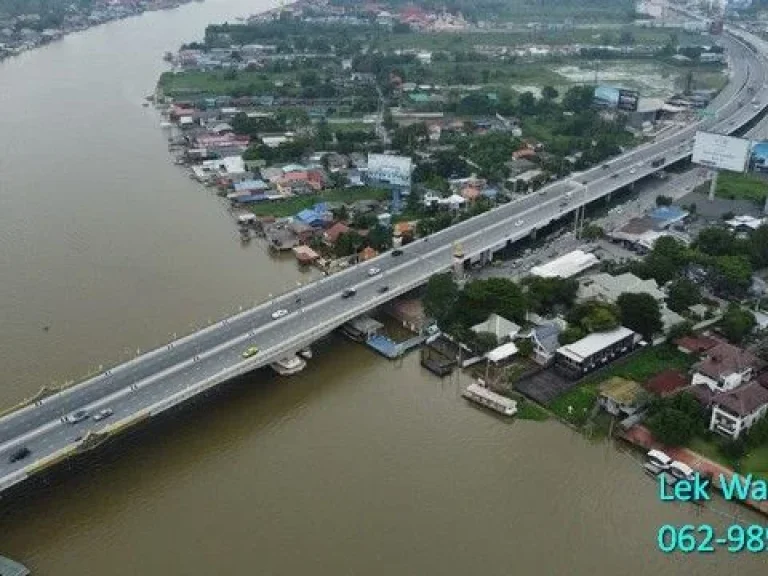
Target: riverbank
<point x="26" y="31"/>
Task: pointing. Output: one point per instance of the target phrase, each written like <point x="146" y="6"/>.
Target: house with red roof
<point x="695" y="343"/>
<point x="331" y="235"/>
<point x="726" y="367"/>
<point x="737" y="411"/>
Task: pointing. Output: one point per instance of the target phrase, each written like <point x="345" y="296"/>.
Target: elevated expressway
<point x="163" y="378"/>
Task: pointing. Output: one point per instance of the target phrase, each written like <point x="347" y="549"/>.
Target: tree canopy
<point x="640" y="312"/>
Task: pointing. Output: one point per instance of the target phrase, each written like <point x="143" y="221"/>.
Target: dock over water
<point x="10" y="568"/>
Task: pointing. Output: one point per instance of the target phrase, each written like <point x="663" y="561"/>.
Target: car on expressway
<point x="252" y="351"/>
<point x="632" y="170"/>
<point x="519" y="223"/>
<point x="348" y="293"/>
<point x="19" y="454"/>
<point x="383" y="289"/>
<point x="103" y="414"/>
<point x="397" y="252"/>
<point x="279" y="313"/>
<point x="76" y="417"/>
<point x="374" y="271"/>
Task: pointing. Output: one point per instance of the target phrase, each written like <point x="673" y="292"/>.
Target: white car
<point x="102" y="414"/>
<point x="279" y="313"/>
<point x="76" y="417"/>
<point x="519" y="223"/>
<point x="632" y="170"/>
<point x="374" y="271"/>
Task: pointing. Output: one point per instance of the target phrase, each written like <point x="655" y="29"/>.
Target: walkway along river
<point x="355" y="466"/>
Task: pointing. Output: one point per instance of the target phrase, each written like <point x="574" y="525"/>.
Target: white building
<point x="502" y="352"/>
<point x="607" y="288"/>
<point x="737" y="411"/>
<point x="503" y="329"/>
<point x="594" y="351"/>
<point x="567" y="265"/>
<point x="390" y="169"/>
<point x="725" y="367"/>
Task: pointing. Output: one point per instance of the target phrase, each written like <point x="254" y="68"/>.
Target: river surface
<point x="356" y="466"/>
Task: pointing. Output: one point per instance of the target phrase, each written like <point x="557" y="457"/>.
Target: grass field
<point x="291" y="206"/>
<point x="742" y="187"/>
<point x="755" y="462"/>
<point x="639" y="367"/>
<point x="527" y="410"/>
<point x="216" y="83"/>
<point x="461" y="41"/>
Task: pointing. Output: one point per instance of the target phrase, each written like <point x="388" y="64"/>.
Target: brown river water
<point x="357" y="466"/>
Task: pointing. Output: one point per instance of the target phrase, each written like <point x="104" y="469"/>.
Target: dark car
<point x="397" y="252"/>
<point x="348" y="293"/>
<point x="19" y="454"/>
<point x="383" y="289"/>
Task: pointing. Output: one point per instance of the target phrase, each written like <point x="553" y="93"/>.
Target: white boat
<point x="306" y="353"/>
<point x="659" y="459"/>
<point x="481" y="395"/>
<point x="681" y="471"/>
<point x="288" y="365"/>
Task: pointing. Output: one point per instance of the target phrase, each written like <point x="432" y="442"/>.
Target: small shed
<point x="621" y="397"/>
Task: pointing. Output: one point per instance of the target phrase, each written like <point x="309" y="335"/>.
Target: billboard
<point x="394" y="170"/>
<point x="610" y="97"/>
<point x="758" y="156"/>
<point x="628" y="100"/>
<point x="720" y="152"/>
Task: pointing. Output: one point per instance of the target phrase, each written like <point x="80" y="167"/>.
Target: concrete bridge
<point x="168" y="376"/>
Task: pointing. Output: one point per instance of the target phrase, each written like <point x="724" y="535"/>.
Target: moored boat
<point x="485" y="397"/>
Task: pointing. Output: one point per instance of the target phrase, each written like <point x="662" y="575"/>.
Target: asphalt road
<point x="138" y="385"/>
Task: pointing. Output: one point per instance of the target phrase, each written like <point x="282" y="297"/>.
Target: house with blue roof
<point x="666" y="216"/>
<point x="315" y="216"/>
<point x="252" y="186"/>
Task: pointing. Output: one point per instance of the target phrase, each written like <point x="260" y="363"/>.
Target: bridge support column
<point x="534" y="233"/>
<point x="713" y="185"/>
<point x="608" y="197"/>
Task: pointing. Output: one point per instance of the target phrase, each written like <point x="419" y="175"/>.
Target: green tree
<point x="640" y="312"/>
<point x="483" y="342"/>
<point x="499" y="295"/>
<point x="570" y="335"/>
<point x="676" y="419"/>
<point x="733" y="275"/>
<point x="717" y="242"/>
<point x="662" y="200"/>
<point x="549" y="93"/>
<point x="348" y="243"/>
<point x="594" y="316"/>
<point x="671" y="427"/>
<point x="527" y="104"/>
<point x="737" y="323"/>
<point x="593" y="232"/>
<point x="380" y="238"/>
<point x="682" y="294"/>
<point x="679" y="330"/>
<point x="524" y="347"/>
<point x="546" y="294"/>
<point x="758" y="247"/>
<point x="440" y="298"/>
